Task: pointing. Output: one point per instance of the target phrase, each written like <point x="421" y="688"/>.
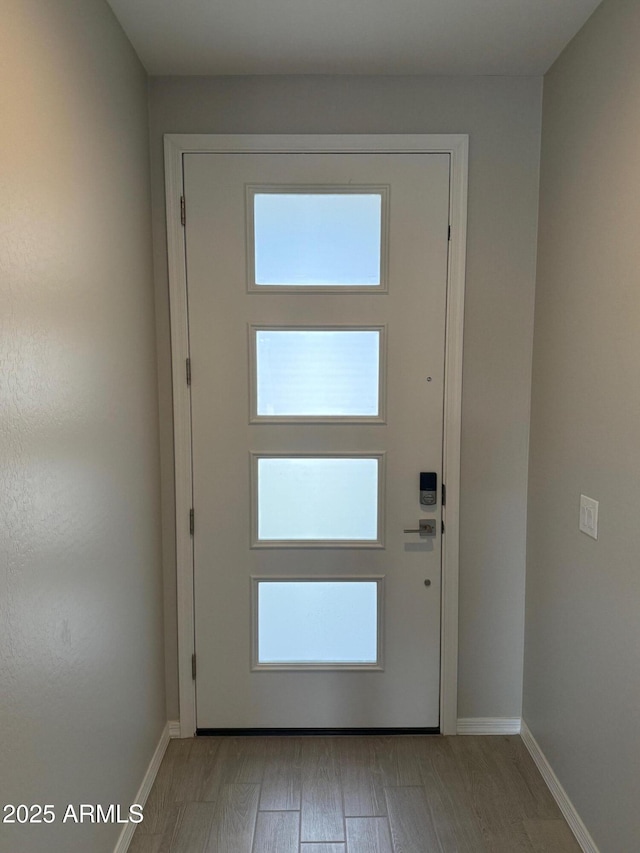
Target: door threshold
<point x="319" y="732"/>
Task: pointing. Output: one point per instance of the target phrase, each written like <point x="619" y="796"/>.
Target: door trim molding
<point x="457" y="146"/>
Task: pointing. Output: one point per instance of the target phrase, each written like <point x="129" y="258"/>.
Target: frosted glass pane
<point x="317" y="499"/>
<point x="317" y="239"/>
<point x="317" y="622"/>
<point x="321" y="373"/>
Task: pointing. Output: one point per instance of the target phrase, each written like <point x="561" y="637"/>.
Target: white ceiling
<point x="445" y="37"/>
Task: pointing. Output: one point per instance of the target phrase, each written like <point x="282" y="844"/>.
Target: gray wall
<point x="82" y="700"/>
<point x="502" y="116"/>
<point x="582" y="651"/>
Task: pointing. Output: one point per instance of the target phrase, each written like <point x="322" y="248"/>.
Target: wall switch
<point x="589" y="516"/>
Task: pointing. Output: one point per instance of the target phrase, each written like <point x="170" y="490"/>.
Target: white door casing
<point x="456" y="147"/>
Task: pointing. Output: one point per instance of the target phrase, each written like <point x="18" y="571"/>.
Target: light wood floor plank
<point x="193" y="828"/>
<point x="509" y="766"/>
<point x="412" y="829"/>
<point x="161" y="809"/>
<point x="453" y="817"/>
<point x="449" y="800"/>
<point x="161" y="840"/>
<point x="398" y="763"/>
<point x="322" y="817"/>
<point x="277" y="832"/>
<point x="361" y="778"/>
<point x="551" y="836"/>
<point x="322" y="848"/>
<point x="368" y="835"/>
<point x="144" y="843"/>
<point x="455" y="795"/>
<point x="282" y="780"/>
<point x="499" y="815"/>
<point x="190" y="774"/>
<point x="249" y="760"/>
<point x="237" y="761"/>
<point x="234" y="819"/>
<point x="160" y="814"/>
<point x="545" y="806"/>
<point x="408" y="754"/>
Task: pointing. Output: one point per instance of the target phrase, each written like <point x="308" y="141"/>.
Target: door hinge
<point x="448" y="232"/>
<point x="191" y="521"/>
<point x="183" y="211"/>
<point x="188" y="365"/>
<point x="442" y="523"/>
<point x="193" y="666"/>
<point x="444" y="495"/>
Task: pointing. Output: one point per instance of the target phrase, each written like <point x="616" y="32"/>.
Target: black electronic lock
<point x="428" y="488"/>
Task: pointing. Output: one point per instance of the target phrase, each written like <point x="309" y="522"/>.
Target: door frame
<point x="457" y="146"/>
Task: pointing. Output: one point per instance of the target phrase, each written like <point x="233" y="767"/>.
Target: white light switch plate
<point x="589" y="516"/>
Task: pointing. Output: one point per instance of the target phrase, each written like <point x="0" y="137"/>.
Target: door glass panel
<point x="317" y="499"/>
<point x="307" y="239"/>
<point x="317" y="622"/>
<point x="317" y="373"/>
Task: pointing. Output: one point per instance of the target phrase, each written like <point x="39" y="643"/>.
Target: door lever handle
<point x="426" y="528"/>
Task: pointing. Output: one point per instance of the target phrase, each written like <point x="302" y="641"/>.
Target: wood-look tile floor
<point x="351" y="795"/>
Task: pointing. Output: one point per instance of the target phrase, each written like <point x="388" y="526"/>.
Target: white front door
<point x="317" y="297"/>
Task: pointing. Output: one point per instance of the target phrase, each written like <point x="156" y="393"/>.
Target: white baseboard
<point x="489" y="726"/>
<point x="558" y="793"/>
<point x="174" y="728"/>
<point x="143" y="792"/>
